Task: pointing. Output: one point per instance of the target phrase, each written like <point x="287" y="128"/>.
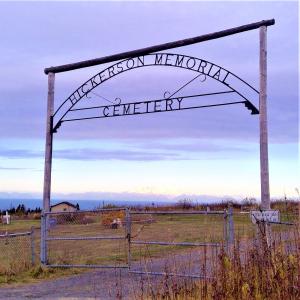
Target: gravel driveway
<point x="111" y="283"/>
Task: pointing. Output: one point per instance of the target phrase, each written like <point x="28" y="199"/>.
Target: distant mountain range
<point x="92" y="200"/>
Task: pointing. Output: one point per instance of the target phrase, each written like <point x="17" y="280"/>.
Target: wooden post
<point x="264" y="161"/>
<point x="48" y="147"/>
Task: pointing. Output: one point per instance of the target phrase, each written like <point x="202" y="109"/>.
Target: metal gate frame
<point x="45" y="238"/>
<point x="228" y="234"/>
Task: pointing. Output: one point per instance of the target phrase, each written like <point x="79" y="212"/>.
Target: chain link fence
<point x="120" y="238"/>
<point x="85" y="239"/>
<point x="178" y="243"/>
<point x="17" y="252"/>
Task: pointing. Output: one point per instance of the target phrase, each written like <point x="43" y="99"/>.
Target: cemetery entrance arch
<point x="253" y="99"/>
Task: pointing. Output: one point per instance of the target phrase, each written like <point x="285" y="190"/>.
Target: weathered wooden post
<point x="48" y="166"/>
<point x="48" y="146"/>
<point x="263" y="127"/>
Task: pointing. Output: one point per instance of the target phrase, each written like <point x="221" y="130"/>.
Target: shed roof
<point x="64" y="202"/>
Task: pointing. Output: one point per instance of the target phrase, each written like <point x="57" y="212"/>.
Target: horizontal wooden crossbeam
<point x="156" y="48"/>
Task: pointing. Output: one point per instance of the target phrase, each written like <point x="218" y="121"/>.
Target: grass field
<point x="19" y="226"/>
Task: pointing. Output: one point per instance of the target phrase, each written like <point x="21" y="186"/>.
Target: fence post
<point x="128" y="235"/>
<point x="43" y="239"/>
<point x="229" y="230"/>
<point x="264" y="234"/>
<point x="32" y="246"/>
<point x="225" y="230"/>
<point x="231" y="226"/>
<point x="269" y="237"/>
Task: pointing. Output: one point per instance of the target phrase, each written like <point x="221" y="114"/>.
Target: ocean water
<point x="83" y="204"/>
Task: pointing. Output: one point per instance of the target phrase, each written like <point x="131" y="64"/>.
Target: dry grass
<point x="253" y="271"/>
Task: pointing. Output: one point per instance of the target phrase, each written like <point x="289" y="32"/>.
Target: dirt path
<point x="111" y="283"/>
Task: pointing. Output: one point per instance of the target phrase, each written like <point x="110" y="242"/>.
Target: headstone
<point x="6" y="218"/>
<point x="116" y="223"/>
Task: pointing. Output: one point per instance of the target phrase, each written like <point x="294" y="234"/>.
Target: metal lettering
<point x="225" y="78"/>
<point x="217" y="74"/>
<point x="85" y="91"/>
<point x="179" y="102"/>
<point x="111" y="71"/>
<point x="79" y="96"/>
<point x="147" y="105"/>
<point x="205" y="69"/>
<point x="136" y="108"/>
<point x="187" y="63"/>
<point x="141" y="62"/>
<point x="169" y="103"/>
<point x="94" y="82"/>
<point x="115" y="111"/>
<point x="167" y="60"/>
<point x="73" y="98"/>
<point x="127" y="63"/>
<point x="158" y="61"/>
<point x="104" y="111"/>
<point x="126" y="109"/>
<point x="156" y="106"/>
<point x="120" y="67"/>
<point x="202" y="65"/>
<point x="70" y="98"/>
<point x="179" y="61"/>
<point x="211" y="66"/>
<point x="102" y="76"/>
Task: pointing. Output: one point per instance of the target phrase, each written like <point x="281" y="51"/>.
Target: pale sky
<point x="200" y="152"/>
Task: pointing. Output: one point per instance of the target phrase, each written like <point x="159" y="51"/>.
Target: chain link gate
<point x="109" y="238"/>
<point x="164" y="223"/>
<point x="85" y="239"/>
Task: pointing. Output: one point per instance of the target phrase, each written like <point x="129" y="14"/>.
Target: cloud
<point x="156" y="150"/>
<point x="193" y="145"/>
<point x="100" y="154"/>
<point x="19" y="153"/>
<point x="13" y="168"/>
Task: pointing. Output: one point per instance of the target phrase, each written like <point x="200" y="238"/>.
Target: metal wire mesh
<point x="86" y="238"/>
<point x="16" y="253"/>
<point x="176" y="243"/>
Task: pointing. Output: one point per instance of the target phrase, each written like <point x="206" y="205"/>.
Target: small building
<point x="64" y="206"/>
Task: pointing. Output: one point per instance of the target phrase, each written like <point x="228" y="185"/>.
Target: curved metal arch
<point x="81" y="92"/>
